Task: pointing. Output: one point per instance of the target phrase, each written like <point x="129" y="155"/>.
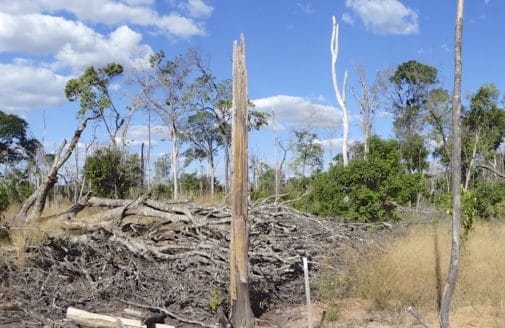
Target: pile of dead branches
<point x="167" y="257"/>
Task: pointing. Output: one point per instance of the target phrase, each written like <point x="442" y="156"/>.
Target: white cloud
<point x="29" y="33"/>
<point x="26" y="87"/>
<point x="333" y="145"/>
<point x="198" y="8"/>
<point x="487" y="1"/>
<point x="136" y="132"/>
<point x="112" y="12"/>
<point x="385" y="16"/>
<point x="297" y="112"/>
<point x="347" y="18"/>
<point x="123" y="46"/>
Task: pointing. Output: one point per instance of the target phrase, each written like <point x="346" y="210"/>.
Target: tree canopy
<point x="15" y="145"/>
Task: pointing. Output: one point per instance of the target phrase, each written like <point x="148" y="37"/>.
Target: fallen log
<point x="90" y="319"/>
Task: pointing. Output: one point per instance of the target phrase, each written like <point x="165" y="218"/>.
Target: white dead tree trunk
<point x="338" y="93"/>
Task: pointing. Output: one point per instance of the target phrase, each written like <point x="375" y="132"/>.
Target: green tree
<point x="112" y="173"/>
<point x="215" y="97"/>
<point x="308" y="152"/>
<point x="202" y="132"/>
<point x="167" y="93"/>
<point x="162" y="169"/>
<point x="484" y="129"/>
<point x="412" y="83"/>
<point x="92" y="90"/>
<point x="15" y="145"/>
<point x="438" y="117"/>
<point x="366" y="190"/>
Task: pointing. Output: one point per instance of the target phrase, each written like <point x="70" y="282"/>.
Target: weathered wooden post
<point x="241" y="313"/>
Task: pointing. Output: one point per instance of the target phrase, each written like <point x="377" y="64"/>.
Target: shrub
<point x="366" y="190"/>
<point x="112" y="173"/>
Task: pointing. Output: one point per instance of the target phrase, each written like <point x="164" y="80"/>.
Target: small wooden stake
<point x="307" y="291"/>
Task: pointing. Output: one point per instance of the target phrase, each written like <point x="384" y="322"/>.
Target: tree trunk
<point x="340" y="95"/>
<point x="365" y="142"/>
<point x="469" y="171"/>
<point x="226" y="165"/>
<point x="241" y="312"/>
<point x="452" y="275"/>
<point x="212" y="169"/>
<point x="175" y="162"/>
<point x="37" y="201"/>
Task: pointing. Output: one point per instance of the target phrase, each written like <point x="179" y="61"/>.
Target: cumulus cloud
<point x="112" y="12"/>
<point x="198" y="8"/>
<point x="26" y="87"/>
<point x="297" y="112"/>
<point x="123" y="46"/>
<point x="60" y="36"/>
<point x="385" y="16"/>
<point x="72" y="43"/>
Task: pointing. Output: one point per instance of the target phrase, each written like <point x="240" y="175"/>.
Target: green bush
<point x="366" y="190"/>
<point x="112" y="173"/>
<point x="488" y="198"/>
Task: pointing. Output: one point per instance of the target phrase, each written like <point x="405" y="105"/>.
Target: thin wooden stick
<point x="307" y="291"/>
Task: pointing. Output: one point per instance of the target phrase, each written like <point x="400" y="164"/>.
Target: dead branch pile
<point x="167" y="257"/>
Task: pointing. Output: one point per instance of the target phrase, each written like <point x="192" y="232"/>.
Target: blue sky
<point x="43" y="43"/>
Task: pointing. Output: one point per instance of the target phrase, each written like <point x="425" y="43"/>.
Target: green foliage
<point x="308" y="153"/>
<point x="366" y="190"/>
<point x="162" y="191"/>
<point x="414" y="153"/>
<point x="469" y="201"/>
<point x="4" y="199"/>
<point x="216" y="298"/>
<point x="16" y="185"/>
<point x="192" y="183"/>
<point x="411" y="82"/>
<point x="15" y="146"/>
<point x="112" y="173"/>
<point x="266" y="184"/>
<point x="91" y="88"/>
<point x="202" y="133"/>
<point x="488" y="198"/>
<point x="484" y="123"/>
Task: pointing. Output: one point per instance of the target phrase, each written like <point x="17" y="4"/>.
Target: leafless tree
<point x="340" y="94"/>
<point x="369" y="101"/>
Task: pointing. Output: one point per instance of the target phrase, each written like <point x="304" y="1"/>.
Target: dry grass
<point x="413" y="269"/>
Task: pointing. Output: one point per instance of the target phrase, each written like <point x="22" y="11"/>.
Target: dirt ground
<point x="356" y="313"/>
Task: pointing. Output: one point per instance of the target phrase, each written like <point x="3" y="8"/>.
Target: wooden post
<point x="241" y="312"/>
<point x="307" y="291"/>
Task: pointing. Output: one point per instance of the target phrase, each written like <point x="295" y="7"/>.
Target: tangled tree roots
<point x="167" y="257"/>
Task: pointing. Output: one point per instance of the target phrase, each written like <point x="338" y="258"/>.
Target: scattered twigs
<point x="170" y="314"/>
<point x="412" y="310"/>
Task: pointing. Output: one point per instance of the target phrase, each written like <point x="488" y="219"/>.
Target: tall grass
<point x="413" y="269"/>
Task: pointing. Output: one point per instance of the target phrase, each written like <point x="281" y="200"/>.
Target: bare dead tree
<point x="32" y="208"/>
<point x="278" y="171"/>
<point x="369" y="100"/>
<point x="452" y="275"/>
<point x="241" y="312"/>
<point x="340" y="95"/>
